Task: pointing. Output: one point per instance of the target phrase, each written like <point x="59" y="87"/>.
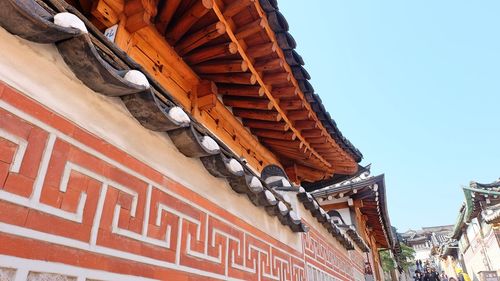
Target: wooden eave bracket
<point x="206" y="95"/>
<point x="106" y="14"/>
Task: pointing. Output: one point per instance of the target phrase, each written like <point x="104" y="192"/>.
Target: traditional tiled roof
<point x="434" y="235"/>
<point x="351" y="231"/>
<point x="417" y="240"/>
<point x="449" y="249"/>
<point x="107" y="70"/>
<point x="492" y="214"/>
<point x="397" y="251"/>
<point x="265" y="87"/>
<point x="479" y="196"/>
<point x="457" y="229"/>
<point x="372" y="191"/>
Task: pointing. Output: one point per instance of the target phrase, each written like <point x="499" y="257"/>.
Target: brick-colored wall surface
<point x="74" y="207"/>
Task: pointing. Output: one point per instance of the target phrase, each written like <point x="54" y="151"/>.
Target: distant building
<point x="359" y="205"/>
<point x="475" y="244"/>
<point x="424" y="240"/>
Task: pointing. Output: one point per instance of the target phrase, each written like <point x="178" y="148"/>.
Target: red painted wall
<point x="68" y="197"/>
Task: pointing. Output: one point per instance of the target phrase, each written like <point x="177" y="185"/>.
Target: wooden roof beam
<point x="211" y="52"/>
<point x="221" y="66"/>
<point x="236" y="6"/>
<point x="292" y="104"/>
<point x="249" y="29"/>
<point x="257" y="124"/>
<point x="240" y="90"/>
<point x="311" y="133"/>
<point x="281" y="55"/>
<point x="277" y="77"/>
<point x="249" y="103"/>
<point x="316" y="140"/>
<point x="234" y="78"/>
<point x="149" y="48"/>
<point x="272" y="134"/>
<point x="308" y="173"/>
<point x="262" y="50"/>
<point x="263" y="115"/>
<point x="295" y="115"/>
<point x="305" y="124"/>
<point x="225" y="118"/>
<point x="188" y="19"/>
<point x="166" y="15"/>
<point x="268" y="64"/>
<point x="287" y="145"/>
<point x="284" y="92"/>
<point x="200" y="37"/>
<point x="251" y="67"/>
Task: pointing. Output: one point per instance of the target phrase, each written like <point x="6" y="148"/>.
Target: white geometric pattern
<point x="208" y="236"/>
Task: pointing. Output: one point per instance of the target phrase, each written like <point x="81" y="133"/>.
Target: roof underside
<point x="244" y="48"/>
<point x="372" y="193"/>
<point x="309" y="145"/>
<point x="312" y="186"/>
<point x="457" y="229"/>
<point x="103" y="68"/>
<point x="480" y="196"/>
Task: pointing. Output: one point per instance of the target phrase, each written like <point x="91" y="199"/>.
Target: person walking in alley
<point x="417" y="276"/>
<point x="431" y="275"/>
<point x="419" y="265"/>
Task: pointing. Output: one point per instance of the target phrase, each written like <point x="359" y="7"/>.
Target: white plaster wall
<point x="474" y="255"/>
<point x="474" y="262"/>
<point x="492" y="250"/>
<point x="40" y="72"/>
<point x="346" y="215"/>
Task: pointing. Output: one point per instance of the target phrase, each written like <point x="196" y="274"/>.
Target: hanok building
<point x="427" y="240"/>
<point x="477" y="233"/>
<point x="359" y="206"/>
<point x="167" y="140"/>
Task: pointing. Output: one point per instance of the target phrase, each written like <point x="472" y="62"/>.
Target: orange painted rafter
<point x="279" y="52"/>
<point x="150" y="49"/>
<point x="267" y="91"/>
<point x="327" y="161"/>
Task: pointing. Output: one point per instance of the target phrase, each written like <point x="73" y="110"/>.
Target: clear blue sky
<point x="415" y="85"/>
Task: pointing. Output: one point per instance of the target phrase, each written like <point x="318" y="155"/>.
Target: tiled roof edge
<point x="286" y="42"/>
<point x="106" y="70"/>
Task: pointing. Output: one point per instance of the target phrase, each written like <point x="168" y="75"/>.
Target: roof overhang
<point x="371" y="191"/>
<point x="250" y="87"/>
<point x="480" y="196"/>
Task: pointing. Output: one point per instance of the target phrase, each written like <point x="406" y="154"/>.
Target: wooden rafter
<point x="260" y="80"/>
<point x="234" y="46"/>
<point x="280" y="53"/>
